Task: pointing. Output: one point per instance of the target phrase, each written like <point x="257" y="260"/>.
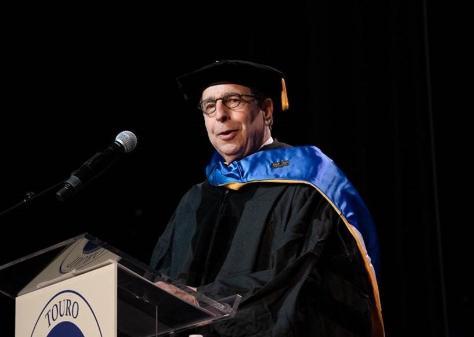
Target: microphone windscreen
<point x="128" y="140"/>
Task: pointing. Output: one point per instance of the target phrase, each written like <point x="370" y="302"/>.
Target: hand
<point x="178" y="292"/>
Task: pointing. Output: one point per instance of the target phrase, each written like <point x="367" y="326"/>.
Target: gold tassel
<point x="285" y="105"/>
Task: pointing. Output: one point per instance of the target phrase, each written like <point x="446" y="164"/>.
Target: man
<point x="280" y="225"/>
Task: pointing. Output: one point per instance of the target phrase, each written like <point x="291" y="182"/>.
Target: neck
<point x="268" y="141"/>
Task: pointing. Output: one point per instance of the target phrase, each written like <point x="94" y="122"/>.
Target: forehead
<point x="222" y="89"/>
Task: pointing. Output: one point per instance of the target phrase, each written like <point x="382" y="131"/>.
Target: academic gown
<point x="283" y="247"/>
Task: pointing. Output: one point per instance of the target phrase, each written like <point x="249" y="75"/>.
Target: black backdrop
<point x="365" y="85"/>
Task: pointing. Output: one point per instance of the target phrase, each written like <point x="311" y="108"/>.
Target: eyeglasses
<point x="231" y="101"/>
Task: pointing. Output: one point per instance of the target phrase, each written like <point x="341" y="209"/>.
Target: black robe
<point x="283" y="248"/>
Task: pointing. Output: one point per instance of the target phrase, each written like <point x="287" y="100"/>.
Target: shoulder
<point x="193" y="197"/>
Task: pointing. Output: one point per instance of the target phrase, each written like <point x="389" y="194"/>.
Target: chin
<point x="230" y="156"/>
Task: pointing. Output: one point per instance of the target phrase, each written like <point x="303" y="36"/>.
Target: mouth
<point x="227" y="134"/>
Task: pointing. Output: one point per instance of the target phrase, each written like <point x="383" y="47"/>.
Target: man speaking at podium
<point x="280" y="225"/>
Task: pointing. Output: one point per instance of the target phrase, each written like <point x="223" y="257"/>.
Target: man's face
<point x="236" y="132"/>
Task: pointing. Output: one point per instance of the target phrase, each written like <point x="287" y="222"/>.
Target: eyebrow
<point x="211" y="98"/>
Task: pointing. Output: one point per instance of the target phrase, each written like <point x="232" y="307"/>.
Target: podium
<point x="85" y="287"/>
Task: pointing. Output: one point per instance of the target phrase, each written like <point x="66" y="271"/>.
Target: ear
<point x="267" y="108"/>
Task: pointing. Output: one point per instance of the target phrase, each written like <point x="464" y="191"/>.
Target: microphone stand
<point x="29" y="197"/>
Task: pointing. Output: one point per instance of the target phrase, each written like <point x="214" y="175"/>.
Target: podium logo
<point x="81" y="256"/>
<point x="67" y="314"/>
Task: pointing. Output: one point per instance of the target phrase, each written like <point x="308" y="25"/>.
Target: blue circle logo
<point x="65" y="329"/>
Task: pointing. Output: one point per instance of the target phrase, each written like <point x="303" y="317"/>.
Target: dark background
<point x="370" y="83"/>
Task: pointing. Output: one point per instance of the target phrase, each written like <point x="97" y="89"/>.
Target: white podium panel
<point x="83" y="306"/>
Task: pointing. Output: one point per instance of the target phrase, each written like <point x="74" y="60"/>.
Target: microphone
<point x="125" y="142"/>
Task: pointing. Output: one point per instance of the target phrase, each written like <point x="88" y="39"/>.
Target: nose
<point x="222" y="112"/>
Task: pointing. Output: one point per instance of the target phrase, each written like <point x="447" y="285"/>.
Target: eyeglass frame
<point x="223" y="99"/>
